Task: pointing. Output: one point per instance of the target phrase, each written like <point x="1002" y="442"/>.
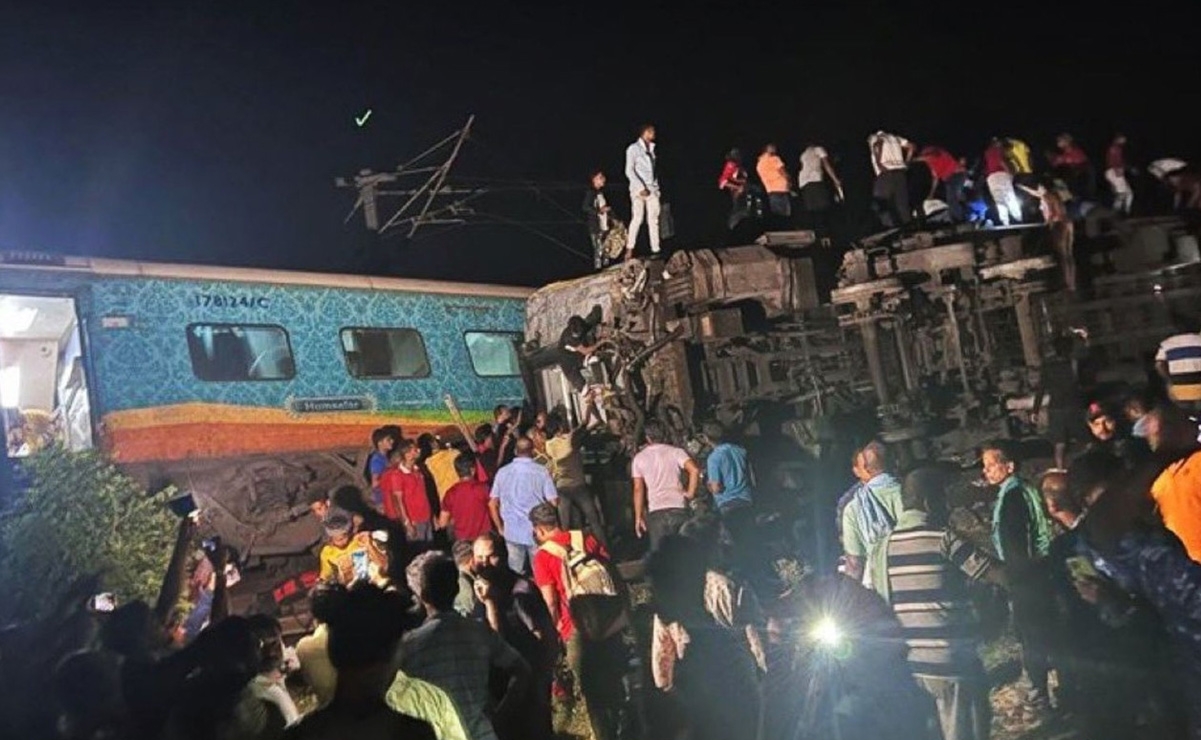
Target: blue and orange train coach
<point x="248" y="388"/>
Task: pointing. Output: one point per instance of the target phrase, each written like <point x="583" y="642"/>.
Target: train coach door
<point x="43" y="387"/>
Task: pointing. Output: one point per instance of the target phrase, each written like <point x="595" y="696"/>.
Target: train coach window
<point x="229" y="352"/>
<point x="493" y="353"/>
<point x="385" y="353"/>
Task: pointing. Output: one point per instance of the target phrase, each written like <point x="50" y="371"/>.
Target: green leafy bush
<point x="81" y="515"/>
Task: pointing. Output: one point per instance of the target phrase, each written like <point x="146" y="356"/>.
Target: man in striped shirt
<point x="928" y="568"/>
<point x="1179" y="363"/>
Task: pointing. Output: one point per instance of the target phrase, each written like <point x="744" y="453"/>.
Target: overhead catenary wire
<point x="421" y="211"/>
<point x="520" y="225"/>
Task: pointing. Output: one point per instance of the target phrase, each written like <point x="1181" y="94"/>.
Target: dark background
<point x="211" y="132"/>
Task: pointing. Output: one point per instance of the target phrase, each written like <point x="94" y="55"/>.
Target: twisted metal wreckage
<point x="939" y="333"/>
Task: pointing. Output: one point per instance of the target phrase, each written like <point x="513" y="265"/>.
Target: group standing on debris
<point x="1001" y="187"/>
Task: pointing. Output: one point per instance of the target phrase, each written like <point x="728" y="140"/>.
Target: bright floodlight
<point x="827" y="632"/>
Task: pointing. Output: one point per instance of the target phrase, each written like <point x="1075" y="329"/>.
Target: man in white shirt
<point x="811" y="184"/>
<point x="644" y="190"/>
<point x="890" y="192"/>
<point x="660" y="502"/>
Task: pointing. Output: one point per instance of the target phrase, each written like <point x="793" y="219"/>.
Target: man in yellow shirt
<point x="1017" y="153"/>
<point x="348" y="556"/>
<point x="774" y="177"/>
<point x="441" y="465"/>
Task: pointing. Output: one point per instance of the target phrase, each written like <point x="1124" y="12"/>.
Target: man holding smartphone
<point x="1102" y="667"/>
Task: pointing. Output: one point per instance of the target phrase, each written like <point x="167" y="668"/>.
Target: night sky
<point x="211" y="132"/>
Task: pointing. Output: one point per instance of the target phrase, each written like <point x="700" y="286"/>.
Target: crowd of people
<point x="469" y="586"/>
<point x="1097" y="555"/>
<point x="1002" y="185"/>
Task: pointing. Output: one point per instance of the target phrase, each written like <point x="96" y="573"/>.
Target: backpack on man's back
<point x="596" y="595"/>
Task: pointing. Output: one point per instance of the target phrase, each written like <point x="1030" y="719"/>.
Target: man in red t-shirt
<point x="598" y="665"/>
<point x="946" y="169"/>
<point x="390" y="483"/>
<point x="1070" y="164"/>
<point x="1067" y="153"/>
<point x="465" y="505"/>
<point x="405" y="498"/>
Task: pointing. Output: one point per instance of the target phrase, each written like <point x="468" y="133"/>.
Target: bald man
<point x="519" y="487"/>
<point x="871" y="513"/>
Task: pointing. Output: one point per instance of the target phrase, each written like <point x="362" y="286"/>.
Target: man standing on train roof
<point x="945" y="169"/>
<point x="597" y="210"/>
<point x="1115" y="175"/>
<point x="890" y="191"/>
<point x="1071" y="164"/>
<point x="1017" y="154"/>
<point x="1000" y="183"/>
<point x="774" y="177"/>
<point x="644" y="189"/>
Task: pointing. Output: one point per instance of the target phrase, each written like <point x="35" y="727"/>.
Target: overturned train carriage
<point x="927" y="338"/>
<point x="675" y="346"/>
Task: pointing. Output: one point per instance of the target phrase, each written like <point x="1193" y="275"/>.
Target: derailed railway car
<point x="248" y="388"/>
<point x="929" y="339"/>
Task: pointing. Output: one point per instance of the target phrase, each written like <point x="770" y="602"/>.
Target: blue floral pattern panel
<point x="138" y="332"/>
